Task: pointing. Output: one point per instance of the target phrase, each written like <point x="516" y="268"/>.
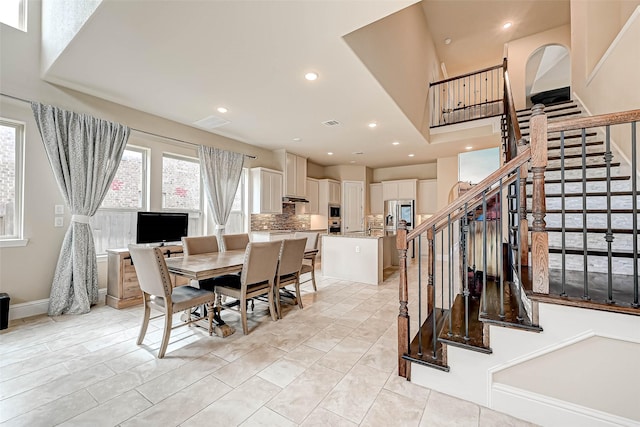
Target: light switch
<point x="58" y="222"/>
<point x="59" y="210"/>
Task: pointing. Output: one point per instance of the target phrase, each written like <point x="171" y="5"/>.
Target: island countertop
<point x="372" y="234"/>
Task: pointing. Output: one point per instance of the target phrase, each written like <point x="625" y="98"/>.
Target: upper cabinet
<point x="295" y="173"/>
<point x="376" y="202"/>
<point x="313" y="187"/>
<point x="427" y="196"/>
<point x="402" y="189"/>
<point x="266" y="190"/>
<point x="328" y="194"/>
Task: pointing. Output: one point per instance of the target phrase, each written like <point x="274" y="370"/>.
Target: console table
<point x="123" y="289"/>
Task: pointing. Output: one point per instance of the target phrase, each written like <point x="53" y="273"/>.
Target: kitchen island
<point x="360" y="256"/>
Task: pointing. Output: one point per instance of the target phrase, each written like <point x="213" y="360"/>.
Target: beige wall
<point x="520" y="50"/>
<point x="614" y="84"/>
<point x="26" y="272"/>
<point x="447" y="178"/>
<point x="346" y="173"/>
<point x="423" y="171"/>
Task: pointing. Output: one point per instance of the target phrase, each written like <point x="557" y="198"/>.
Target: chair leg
<point x="210" y="314"/>
<point x="167" y="332"/>
<point x="275" y="312"/>
<point x="243" y="316"/>
<point x="298" y="297"/>
<point x="278" y="307"/>
<point x="313" y="275"/>
<point x="145" y="319"/>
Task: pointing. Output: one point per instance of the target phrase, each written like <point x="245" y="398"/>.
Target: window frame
<point x="17" y="239"/>
<point x="146" y="158"/>
<point x="188" y="159"/>
<point x="22" y="17"/>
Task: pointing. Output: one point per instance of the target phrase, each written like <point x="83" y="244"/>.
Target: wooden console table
<point x="123" y="289"/>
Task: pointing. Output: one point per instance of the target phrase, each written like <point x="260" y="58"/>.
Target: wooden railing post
<point x="403" y="314"/>
<point x="524" y="224"/>
<point x="539" y="236"/>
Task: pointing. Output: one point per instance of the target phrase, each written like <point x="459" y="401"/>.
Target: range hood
<point x="294" y="200"/>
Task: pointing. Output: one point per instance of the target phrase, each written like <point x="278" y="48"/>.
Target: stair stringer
<point x="471" y="373"/>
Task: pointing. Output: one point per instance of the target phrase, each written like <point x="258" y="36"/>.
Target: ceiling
<point x="181" y="60"/>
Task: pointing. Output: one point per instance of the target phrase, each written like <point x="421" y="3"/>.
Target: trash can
<point x="4" y="310"/>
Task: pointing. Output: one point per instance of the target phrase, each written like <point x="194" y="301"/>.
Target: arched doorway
<point x="548" y="75"/>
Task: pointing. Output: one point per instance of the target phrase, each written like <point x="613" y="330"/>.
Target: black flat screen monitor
<point x="161" y="227"/>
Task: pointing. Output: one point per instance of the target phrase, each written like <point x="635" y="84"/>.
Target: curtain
<point x="84" y="153"/>
<point x="221" y="172"/>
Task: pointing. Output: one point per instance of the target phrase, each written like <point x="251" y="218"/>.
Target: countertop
<point x="288" y="231"/>
<point x="373" y="234"/>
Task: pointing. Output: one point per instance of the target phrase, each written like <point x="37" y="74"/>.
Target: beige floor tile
<point x="129" y="360"/>
<point x="35" y="362"/>
<point x="236" y="406"/>
<point x="282" y="372"/>
<point x="304" y="355"/>
<point x="406" y="388"/>
<point x="444" y="410"/>
<point x="112" y="412"/>
<point x="267" y="418"/>
<point x="491" y="418"/>
<point x="240" y="370"/>
<point x="355" y="393"/>
<point x="323" y="418"/>
<point x="299" y="398"/>
<point x="29" y="381"/>
<point x="343" y="356"/>
<point x="55" y="412"/>
<point x="115" y="386"/>
<point x="381" y="356"/>
<point x="393" y="409"/>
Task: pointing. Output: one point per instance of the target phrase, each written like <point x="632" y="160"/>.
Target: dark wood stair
<point x="455" y="335"/>
<point x="509" y="317"/>
<point x="425" y="355"/>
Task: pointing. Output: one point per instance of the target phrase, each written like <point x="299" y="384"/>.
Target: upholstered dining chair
<point x="199" y="245"/>
<point x="159" y="294"/>
<point x="257" y="278"/>
<point x="235" y="241"/>
<point x="309" y="261"/>
<point x="289" y="264"/>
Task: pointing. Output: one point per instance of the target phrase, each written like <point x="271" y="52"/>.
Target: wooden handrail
<point x="471" y="194"/>
<point x="473" y="73"/>
<point x="512" y="107"/>
<point x="595" y="121"/>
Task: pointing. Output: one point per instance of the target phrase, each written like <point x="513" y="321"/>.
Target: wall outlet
<point x="357" y="249"/>
<point x="59" y="209"/>
<point x="58" y="221"/>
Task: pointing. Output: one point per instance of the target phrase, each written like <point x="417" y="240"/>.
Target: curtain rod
<point x="133" y="129"/>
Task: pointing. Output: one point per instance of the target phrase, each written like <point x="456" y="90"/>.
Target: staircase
<point x="549" y="240"/>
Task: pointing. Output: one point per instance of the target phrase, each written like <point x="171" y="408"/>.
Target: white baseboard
<point x="545" y="410"/>
<point x="35" y="308"/>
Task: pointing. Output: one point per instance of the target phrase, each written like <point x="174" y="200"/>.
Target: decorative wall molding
<point x="38" y="307"/>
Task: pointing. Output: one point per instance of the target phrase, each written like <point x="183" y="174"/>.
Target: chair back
<point x="260" y="262"/>
<point x="235" y="241"/>
<point x="199" y="245"/>
<point x="312" y="239"/>
<point x="291" y="255"/>
<point x="151" y="270"/>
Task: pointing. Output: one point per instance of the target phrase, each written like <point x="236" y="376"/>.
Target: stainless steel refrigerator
<point x="397" y="210"/>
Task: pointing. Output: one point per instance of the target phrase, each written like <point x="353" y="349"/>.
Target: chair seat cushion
<point x="306" y="268"/>
<point x="184" y="297"/>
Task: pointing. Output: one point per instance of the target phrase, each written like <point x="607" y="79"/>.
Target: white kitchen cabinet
<point x="376" y="202"/>
<point x="405" y="189"/>
<point x="295" y="173"/>
<point x="334" y="192"/>
<point x="313" y="187"/>
<point x="266" y="188"/>
<point x="328" y="194"/>
<point x="427" y="196"/>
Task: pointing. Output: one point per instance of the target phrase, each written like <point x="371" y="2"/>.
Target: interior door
<point x="353" y="206"/>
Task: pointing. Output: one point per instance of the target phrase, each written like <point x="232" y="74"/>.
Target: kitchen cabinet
<point x="295" y="173"/>
<point x="405" y="189"/>
<point x="376" y="202"/>
<point x="427" y="196"/>
<point x="313" y="188"/>
<point x="266" y="189"/>
<point x="328" y="194"/>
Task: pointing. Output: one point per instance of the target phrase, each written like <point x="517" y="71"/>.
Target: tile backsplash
<point x="287" y="220"/>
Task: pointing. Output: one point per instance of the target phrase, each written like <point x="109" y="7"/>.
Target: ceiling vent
<point x="331" y="123"/>
<point x="211" y="122"/>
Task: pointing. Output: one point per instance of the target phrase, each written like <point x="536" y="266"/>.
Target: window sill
<point x="13" y="243"/>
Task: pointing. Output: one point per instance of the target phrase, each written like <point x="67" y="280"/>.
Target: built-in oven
<point x="334" y="211"/>
<point x="334" y="225"/>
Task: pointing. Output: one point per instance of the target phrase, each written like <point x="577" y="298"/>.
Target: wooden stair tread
<point x="555" y="147"/>
<point x="591" y="252"/>
<point x="589" y="230"/>
<point x="595" y="178"/>
<point x="576" y="156"/>
<point x="491" y="294"/>
<point x="570" y="136"/>
<point x="593" y="211"/>
<point x="455" y="335"/>
<point x="550" y="107"/>
<point x="426" y="356"/>
<point x="590" y="194"/>
<point x="550" y="115"/>
<point x="578" y="167"/>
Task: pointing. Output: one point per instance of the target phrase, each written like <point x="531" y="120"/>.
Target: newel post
<point x="403" y="289"/>
<point x="539" y="236"/>
<point x="524" y="224"/>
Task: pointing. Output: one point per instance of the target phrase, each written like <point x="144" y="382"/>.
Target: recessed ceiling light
<point x="222" y="110"/>
<point x="411" y="155"/>
<point x="330" y="153"/>
<point x="507" y="25"/>
<point x="447" y="40"/>
<point x="311" y="76"/>
<point x="297" y="139"/>
<point x="352" y="161"/>
<point x="372" y="125"/>
<point x="395" y="143"/>
<point x="468" y="147"/>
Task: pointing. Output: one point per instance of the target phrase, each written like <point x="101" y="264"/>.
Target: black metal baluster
<point x="563" y="234"/>
<point x="608" y="156"/>
<point x="484" y="240"/>
<point x="585" y="295"/>
<point x="442" y="270"/>
<point x="433" y="294"/>
<point x="518" y="245"/>
<point x="499" y="250"/>
<point x="465" y="269"/>
<point x="420" y="295"/>
<point x="634" y="209"/>
<point x="450" y="269"/>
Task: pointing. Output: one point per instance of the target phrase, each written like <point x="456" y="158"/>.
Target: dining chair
<point x="257" y="278"/>
<point x="310" y="266"/>
<point x="289" y="264"/>
<point x="235" y="241"/>
<point x="199" y="245"/>
<point x="159" y="294"/>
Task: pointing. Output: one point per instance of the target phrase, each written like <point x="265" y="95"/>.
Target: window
<point x="237" y="222"/>
<point x="11" y="149"/>
<point x="475" y="166"/>
<point x="14" y="13"/>
<point x="114" y="225"/>
<point x="181" y="189"/>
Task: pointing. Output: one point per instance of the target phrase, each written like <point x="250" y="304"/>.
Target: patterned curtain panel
<point x="84" y="153"/>
<point x="221" y="172"/>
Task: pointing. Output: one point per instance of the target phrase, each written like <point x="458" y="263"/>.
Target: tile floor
<point x="331" y="364"/>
